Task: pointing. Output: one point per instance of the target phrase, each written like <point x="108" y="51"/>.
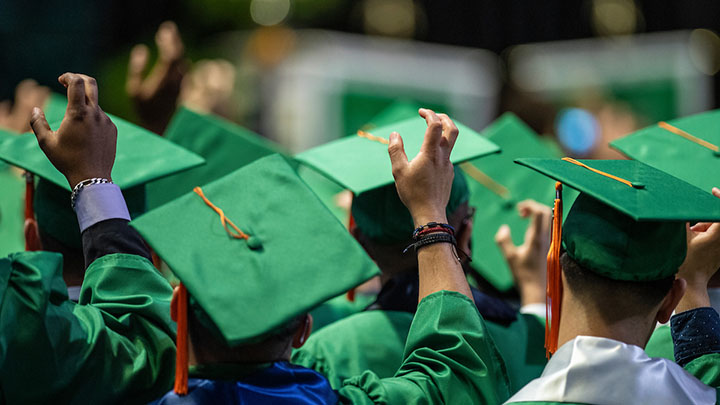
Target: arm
<point x="448" y="357"/>
<point x="696" y="326"/>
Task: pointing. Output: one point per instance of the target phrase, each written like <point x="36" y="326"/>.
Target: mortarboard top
<point x="496" y="186"/>
<point x="11" y="212"/>
<point x="141" y="156"/>
<point x="249" y="288"/>
<point x="55" y="107"/>
<point x="361" y="163"/>
<point x="397" y="111"/>
<point x="627" y="232"/>
<point x="224" y="145"/>
<point x="666" y="146"/>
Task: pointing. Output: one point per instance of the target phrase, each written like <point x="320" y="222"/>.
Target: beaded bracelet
<point x="447" y="227"/>
<point x="430" y="239"/>
<point x="87" y="182"/>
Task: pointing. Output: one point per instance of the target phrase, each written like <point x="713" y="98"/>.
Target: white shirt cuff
<point x="537" y="309"/>
<point x="100" y="202"/>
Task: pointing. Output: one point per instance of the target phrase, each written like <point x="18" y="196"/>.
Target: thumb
<point x="504" y="242"/>
<point x="40" y="127"/>
<point x="396" y="149"/>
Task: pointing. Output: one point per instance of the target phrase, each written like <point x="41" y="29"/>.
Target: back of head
<point x="622" y="266"/>
<point x="383" y="219"/>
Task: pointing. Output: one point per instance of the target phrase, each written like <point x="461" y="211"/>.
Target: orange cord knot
<point x="223" y="219"/>
<point x="368" y="135"/>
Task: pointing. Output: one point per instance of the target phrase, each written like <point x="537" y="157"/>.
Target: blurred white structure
<point x="640" y="66"/>
<point x="304" y="95"/>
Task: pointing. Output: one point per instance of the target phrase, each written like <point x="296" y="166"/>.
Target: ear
<point x="464" y="234"/>
<point x="671" y="300"/>
<point x="32" y="235"/>
<point x="303" y="332"/>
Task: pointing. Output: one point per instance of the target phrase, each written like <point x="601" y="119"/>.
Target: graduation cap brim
<point x="141" y="156"/>
<point x="361" y="164"/>
<point x="681" y="157"/>
<point x="295" y="260"/>
<point x="658" y="196"/>
<point x="493" y="209"/>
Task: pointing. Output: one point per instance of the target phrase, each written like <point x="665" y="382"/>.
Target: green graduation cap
<point x="224" y="145"/>
<point x="287" y="265"/>
<point x="687" y="148"/>
<point x="55" y="107"/>
<point x="141" y="156"/>
<point x="496" y="185"/>
<point x="399" y="110"/>
<point x="360" y="162"/>
<point x="628" y="223"/>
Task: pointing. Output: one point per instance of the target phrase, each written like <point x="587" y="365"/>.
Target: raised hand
<point x="528" y="262"/>
<point x="701" y="263"/>
<point x="155" y="96"/>
<point x="424" y="183"/>
<point x="84" y="145"/>
<point x="208" y="88"/>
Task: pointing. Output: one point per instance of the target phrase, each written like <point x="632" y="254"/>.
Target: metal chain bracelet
<point x="87" y="182"/>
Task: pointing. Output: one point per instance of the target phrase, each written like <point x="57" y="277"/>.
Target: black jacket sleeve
<point x="112" y="236"/>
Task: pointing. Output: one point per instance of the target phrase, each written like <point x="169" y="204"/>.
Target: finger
<point x="396" y="150"/>
<point x="538" y="214"/>
<point x="701" y="226"/>
<point x="433" y="134"/>
<point x="169" y="43"/>
<point x="40" y="127"/>
<point x="503" y="238"/>
<point x="91" y="89"/>
<point x="139" y="57"/>
<point x="450" y="130"/>
<point x="75" y="90"/>
<point x="716" y="192"/>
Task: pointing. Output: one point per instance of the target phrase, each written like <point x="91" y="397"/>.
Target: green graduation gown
<point x="375" y="340"/>
<point x="115" y="346"/>
<point x="448" y="358"/>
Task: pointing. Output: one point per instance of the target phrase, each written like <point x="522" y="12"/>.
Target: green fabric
<point x="676" y="155"/>
<point x="360" y="164"/>
<point x="329" y="192"/>
<point x="370" y="340"/>
<point x="280" y="272"/>
<point x="605" y="241"/>
<point x="661" y="344"/>
<point x="706" y="368"/>
<point x="662" y="197"/>
<point x="448" y="358"/>
<point x="522" y="346"/>
<point x="375" y="340"/>
<point x="339" y="308"/>
<point x="12" y="237"/>
<point x="224" y="145"/>
<point x="397" y="111"/>
<point x="115" y="346"/>
<point x="55" y="107"/>
<point x="381" y="216"/>
<point x="516" y="140"/>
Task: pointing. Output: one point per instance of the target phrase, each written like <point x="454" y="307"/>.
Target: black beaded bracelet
<point x="433" y="225"/>
<point x="440" y="237"/>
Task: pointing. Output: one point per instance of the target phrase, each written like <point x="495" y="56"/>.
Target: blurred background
<point x="302" y="72"/>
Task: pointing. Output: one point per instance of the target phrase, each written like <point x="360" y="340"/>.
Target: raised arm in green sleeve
<point x="115" y="346"/>
<point x="449" y="358"/>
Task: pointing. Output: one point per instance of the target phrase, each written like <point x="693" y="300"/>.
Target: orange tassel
<point x="554" y="278"/>
<point x="178" y="312"/>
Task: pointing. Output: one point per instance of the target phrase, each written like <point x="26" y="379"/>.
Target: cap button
<point x="637" y="185"/>
<point x="254" y="243"/>
<point x="716" y="153"/>
<point x="508" y="204"/>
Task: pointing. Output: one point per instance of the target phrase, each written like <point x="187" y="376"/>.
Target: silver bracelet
<point x="83" y="184"/>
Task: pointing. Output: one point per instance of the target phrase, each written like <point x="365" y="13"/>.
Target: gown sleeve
<point x="115" y="346"/>
<point x="449" y="358"/>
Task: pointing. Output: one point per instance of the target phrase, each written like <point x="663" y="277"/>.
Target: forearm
<point x="439" y="269"/>
<point x="696" y="296"/>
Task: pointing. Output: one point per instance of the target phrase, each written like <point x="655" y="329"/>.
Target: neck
<point x="582" y="319"/>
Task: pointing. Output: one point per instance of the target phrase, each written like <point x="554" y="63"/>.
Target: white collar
<point x="596" y="370"/>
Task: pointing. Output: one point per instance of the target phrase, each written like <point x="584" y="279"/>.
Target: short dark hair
<point x="271" y="348"/>
<point x="617" y="299"/>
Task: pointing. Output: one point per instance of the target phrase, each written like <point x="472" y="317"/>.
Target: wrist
<point x="425" y="218"/>
<point x="74" y="180"/>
